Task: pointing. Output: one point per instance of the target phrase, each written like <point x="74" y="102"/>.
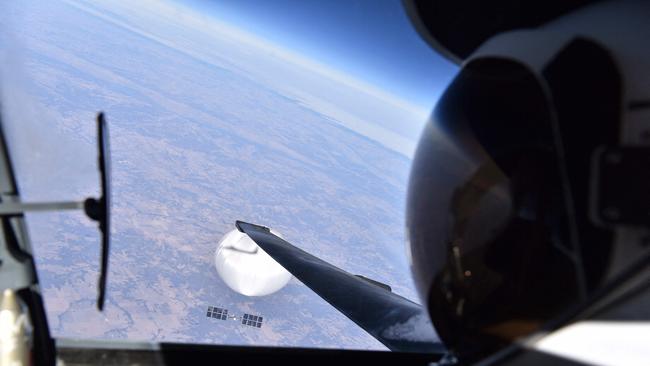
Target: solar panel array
<point x="217" y="313"/>
<point x="252" y="320"/>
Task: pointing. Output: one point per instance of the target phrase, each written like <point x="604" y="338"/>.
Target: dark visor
<point x="485" y="193"/>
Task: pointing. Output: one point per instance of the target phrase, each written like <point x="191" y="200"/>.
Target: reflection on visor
<point x="492" y="209"/>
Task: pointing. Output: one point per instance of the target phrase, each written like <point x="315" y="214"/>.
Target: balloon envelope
<point x="246" y="268"/>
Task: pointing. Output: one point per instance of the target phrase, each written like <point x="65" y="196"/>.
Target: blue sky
<point x="372" y="40"/>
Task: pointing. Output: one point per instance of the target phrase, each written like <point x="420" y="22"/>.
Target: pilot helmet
<point x="529" y="187"/>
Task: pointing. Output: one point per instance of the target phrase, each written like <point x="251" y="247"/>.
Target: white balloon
<point x="246" y="268"/>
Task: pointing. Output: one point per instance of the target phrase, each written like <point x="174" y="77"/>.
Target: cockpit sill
<point x="124" y="352"/>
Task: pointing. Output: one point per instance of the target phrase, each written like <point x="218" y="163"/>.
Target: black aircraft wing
<point x="398" y="323"/>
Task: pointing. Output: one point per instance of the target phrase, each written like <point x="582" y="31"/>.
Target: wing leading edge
<point x="398" y="323"/>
